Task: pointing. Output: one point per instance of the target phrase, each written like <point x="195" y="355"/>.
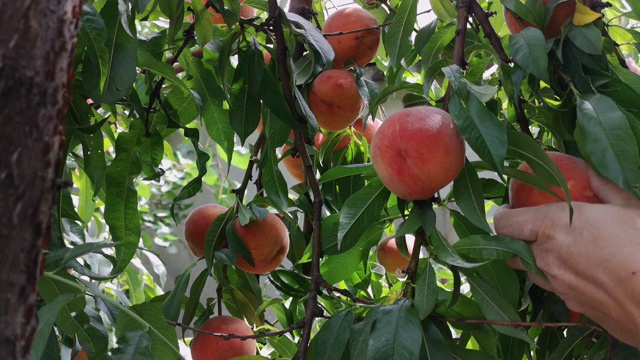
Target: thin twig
<point x="240" y="190"/>
<point x="345" y="293"/>
<point x="289" y="329"/>
<point x="189" y="35"/>
<point x="338" y="33"/>
<point x="518" y="324"/>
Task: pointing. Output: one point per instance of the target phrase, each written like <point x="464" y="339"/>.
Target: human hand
<point x="593" y="264"/>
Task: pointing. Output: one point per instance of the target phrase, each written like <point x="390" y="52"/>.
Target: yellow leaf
<point x="584" y="15"/>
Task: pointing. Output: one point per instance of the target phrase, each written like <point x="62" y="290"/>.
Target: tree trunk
<point x="37" y="40"/>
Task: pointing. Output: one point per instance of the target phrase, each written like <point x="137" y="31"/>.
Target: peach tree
<point x="166" y="105"/>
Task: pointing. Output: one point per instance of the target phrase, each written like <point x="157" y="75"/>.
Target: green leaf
<point x="390" y="90"/>
<point x="481" y="247"/>
<point x="121" y="201"/>
<point x="361" y="334"/>
<point x="426" y="291"/>
<point x="94" y="33"/>
<point x="72" y="320"/>
<point x="503" y="279"/>
<point x="172" y="304"/>
<point x="332" y="338"/>
<point x="193" y="303"/>
<point x="445" y="252"/>
<point x="244" y="110"/>
<point x="217" y="235"/>
<point x="495" y="307"/>
<point x="203" y="24"/>
<point x="133" y="345"/>
<point x="468" y="195"/>
<point x="397" y="40"/>
<point x="531" y="11"/>
<point x="274" y="183"/>
<point x="313" y="37"/>
<point x="161" y="68"/>
<point x="360" y="211"/>
<point x="174" y="10"/>
<point x="46" y="318"/>
<point x="444" y="10"/>
<point x="340" y="172"/>
<point x="396" y="333"/>
<point x="482" y="130"/>
<point x="436" y="348"/>
<point x="528" y="50"/>
<point x="605" y="137"/>
<point x="336" y="268"/>
<point x="164" y="340"/>
<point x="216" y="118"/>
<point x="522" y="146"/>
<point x="123" y="52"/>
<point x="193" y="186"/>
<point x="433" y="50"/>
<point x="587" y="38"/>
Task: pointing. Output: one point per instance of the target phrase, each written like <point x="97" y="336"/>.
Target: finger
<point x="540" y="281"/>
<point x="610" y="193"/>
<point x="526" y="223"/>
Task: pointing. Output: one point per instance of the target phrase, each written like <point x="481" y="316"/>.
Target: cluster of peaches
<point x="415" y="152"/>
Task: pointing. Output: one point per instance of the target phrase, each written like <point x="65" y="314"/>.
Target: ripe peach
<point x="217" y="19"/>
<point x="334" y="100"/>
<point x="197" y="224"/>
<point x="81" y="355"/>
<point x="267" y="241"/>
<point x="209" y="347"/>
<point x="362" y="46"/>
<point x="575" y="171"/>
<point x="388" y="255"/>
<point x="294" y="165"/>
<point x="561" y="13"/>
<point x="417" y="151"/>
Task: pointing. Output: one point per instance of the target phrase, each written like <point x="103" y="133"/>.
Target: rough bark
<point x="37" y="39"/>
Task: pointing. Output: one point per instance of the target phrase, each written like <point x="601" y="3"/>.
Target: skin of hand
<point x="593" y="263"/>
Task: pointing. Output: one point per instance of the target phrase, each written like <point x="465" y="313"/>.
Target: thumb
<point x="610" y="193"/>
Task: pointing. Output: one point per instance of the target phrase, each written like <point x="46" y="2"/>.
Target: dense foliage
<point x="145" y="135"/>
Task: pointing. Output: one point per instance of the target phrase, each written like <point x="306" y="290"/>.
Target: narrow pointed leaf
<point x="360" y="211"/>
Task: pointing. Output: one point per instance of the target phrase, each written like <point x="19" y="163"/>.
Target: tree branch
<point x="458" y="50"/>
<point x="312" y="308"/>
<point x="412" y="268"/>
<point x="483" y="19"/>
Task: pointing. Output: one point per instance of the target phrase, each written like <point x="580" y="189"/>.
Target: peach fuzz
<point x="267" y="241"/>
<point x="209" y="347"/>
<point x="217" y="19"/>
<point x="561" y="13"/>
<point x="361" y="46"/>
<point x="334" y="100"/>
<point x="575" y="171"/>
<point x="417" y="151"/>
<point x="197" y="224"/>
<point x="390" y="257"/>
